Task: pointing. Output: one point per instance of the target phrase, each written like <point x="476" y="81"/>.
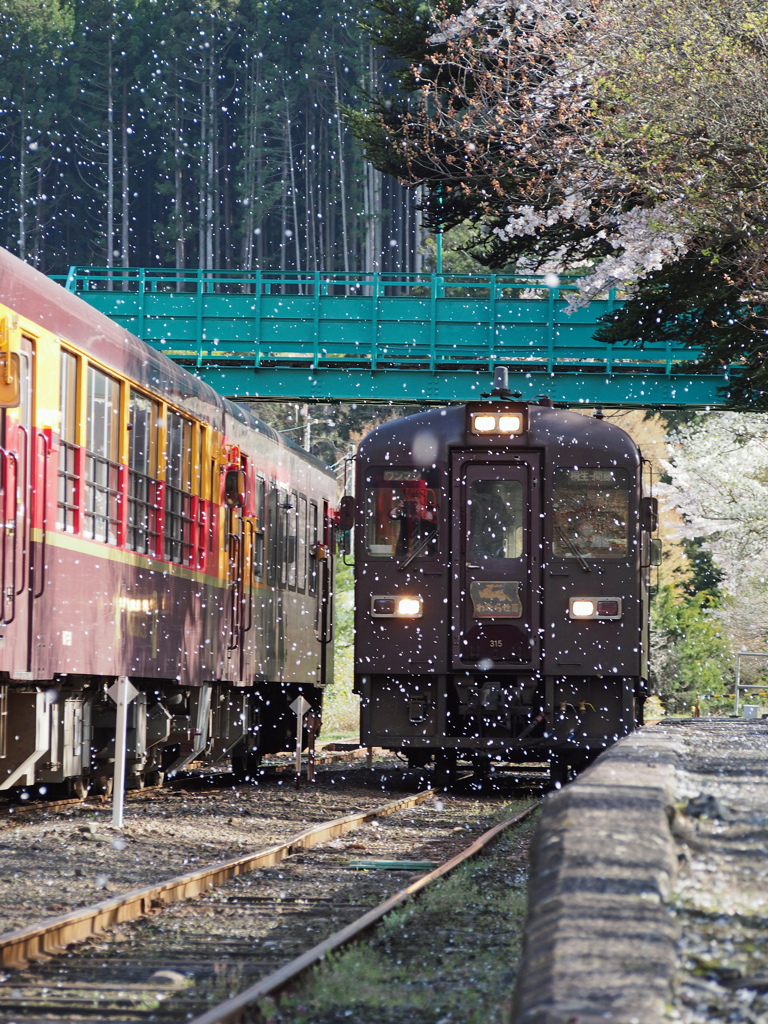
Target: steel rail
<point x="268" y="768"/>
<point x="46" y="938"/>
<point x="238" y="1009"/>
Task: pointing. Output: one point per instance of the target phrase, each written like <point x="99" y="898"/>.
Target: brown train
<point x="503" y="559"/>
<point x="151" y="529"/>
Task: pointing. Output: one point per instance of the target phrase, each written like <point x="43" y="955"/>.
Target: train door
<point x="323" y="584"/>
<point x="31" y="520"/>
<point x="496" y="584"/>
<point x="17" y="463"/>
<point x="239" y="576"/>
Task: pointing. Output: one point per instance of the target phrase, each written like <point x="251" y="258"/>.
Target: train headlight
<point x="409" y="607"/>
<point x="497" y="423"/>
<point x="594" y="608"/>
<point x="510" y="423"/>
<point x="392" y="607"/>
<point x="483" y="423"/>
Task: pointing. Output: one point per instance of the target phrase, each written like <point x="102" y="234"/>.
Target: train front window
<point x="590" y="513"/>
<point x="495" y="519"/>
<point x="402" y="513"/>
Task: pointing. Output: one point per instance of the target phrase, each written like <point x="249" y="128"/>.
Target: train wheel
<point x="481" y="765"/>
<point x="563" y="770"/>
<point x="418" y="758"/>
<point x="445" y="769"/>
<point x="78" y="788"/>
<point x="245" y="767"/>
<point x="559" y="772"/>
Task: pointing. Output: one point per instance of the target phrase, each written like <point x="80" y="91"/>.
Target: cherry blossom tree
<point x="718" y="479"/>
<point x="615" y="136"/>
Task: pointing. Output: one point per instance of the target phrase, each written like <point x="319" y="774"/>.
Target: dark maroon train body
<point x="502" y="558"/>
<point x="150" y="529"/>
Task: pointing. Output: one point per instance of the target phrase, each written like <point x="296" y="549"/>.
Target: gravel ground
<point x="721" y="897"/>
<point x="51" y="862"/>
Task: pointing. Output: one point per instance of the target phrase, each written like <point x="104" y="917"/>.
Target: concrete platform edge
<point x="599" y="940"/>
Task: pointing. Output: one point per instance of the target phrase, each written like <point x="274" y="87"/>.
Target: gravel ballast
<point x="53" y="862"/>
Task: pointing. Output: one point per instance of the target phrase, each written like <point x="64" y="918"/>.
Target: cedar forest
<point x="191" y="133"/>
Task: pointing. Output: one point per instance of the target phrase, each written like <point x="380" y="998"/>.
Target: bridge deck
<point x="410" y="337"/>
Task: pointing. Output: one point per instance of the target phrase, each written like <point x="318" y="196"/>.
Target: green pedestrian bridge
<point x="382" y="337"/>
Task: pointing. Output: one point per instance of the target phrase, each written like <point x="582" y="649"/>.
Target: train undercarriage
<point x="60" y="737"/>
<point x="566" y="720"/>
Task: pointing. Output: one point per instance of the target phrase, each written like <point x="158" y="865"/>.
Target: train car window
<point x="495" y="514"/>
<point x="402" y="509"/>
<point x="301" y="552"/>
<point x="101" y="468"/>
<point x="25" y="384"/>
<point x="274" y="538"/>
<point x="199" y="462"/>
<point x="590" y="511"/>
<point x="259" y="495"/>
<point x="178" y="487"/>
<point x="144" y="417"/>
<point x="291" y="538"/>
<point x="312" y="582"/>
<point x="284" y="509"/>
<point x="215" y="499"/>
<point x="67" y="474"/>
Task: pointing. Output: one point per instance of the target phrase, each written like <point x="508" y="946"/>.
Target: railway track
<point x="253" y="915"/>
<point x="27" y="802"/>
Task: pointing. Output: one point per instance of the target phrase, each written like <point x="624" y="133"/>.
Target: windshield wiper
<point x="418" y="549"/>
<point x="569" y="541"/>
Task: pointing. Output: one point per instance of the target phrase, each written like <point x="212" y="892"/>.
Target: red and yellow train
<point x="152" y="529"/>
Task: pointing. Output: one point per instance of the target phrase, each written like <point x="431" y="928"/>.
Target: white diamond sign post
<point x="122" y="693"/>
<point x="299" y="707"/>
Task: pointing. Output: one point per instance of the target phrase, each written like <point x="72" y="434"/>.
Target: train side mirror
<point x="346" y="515"/>
<point x="345" y="520"/>
<point x="649" y="514"/>
<point x="10" y="377"/>
<point x="235" y="488"/>
<point x="655" y="552"/>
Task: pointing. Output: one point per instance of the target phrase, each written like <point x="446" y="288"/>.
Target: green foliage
<point x="650" y="143"/>
<point x="696" y="302"/>
<point x="705" y="575"/>
<point x="690" y="652"/>
<point x="344" y="631"/>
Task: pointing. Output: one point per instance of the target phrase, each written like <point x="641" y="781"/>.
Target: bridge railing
<point x="370" y="321"/>
<point x="312" y="283"/>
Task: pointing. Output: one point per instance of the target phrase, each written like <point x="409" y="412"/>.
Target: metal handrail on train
<point x="10" y="592"/>
<point x="235" y="541"/>
<point x="25" y="517"/>
<point x="248" y="523"/>
<point x="46" y="452"/>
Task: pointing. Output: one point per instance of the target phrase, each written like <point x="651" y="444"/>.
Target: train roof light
<point x="497" y="423"/>
<point x="484" y="423"/>
<point x="500" y="422"/>
<point x="510" y="423"/>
